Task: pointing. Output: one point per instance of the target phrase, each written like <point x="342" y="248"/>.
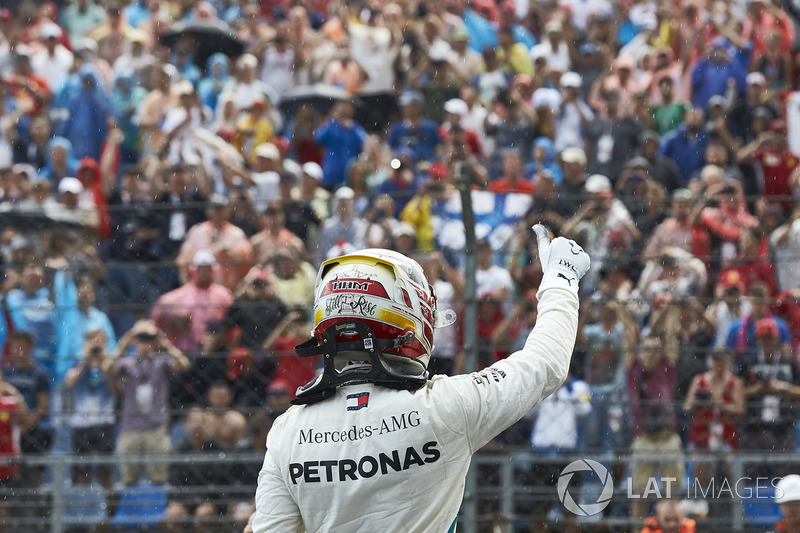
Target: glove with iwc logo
<point x="563" y="262"/>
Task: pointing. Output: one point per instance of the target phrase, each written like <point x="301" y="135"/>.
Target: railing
<point x="507" y="497"/>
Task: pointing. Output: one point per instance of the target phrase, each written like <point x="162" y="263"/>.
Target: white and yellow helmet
<point x="387" y="291"/>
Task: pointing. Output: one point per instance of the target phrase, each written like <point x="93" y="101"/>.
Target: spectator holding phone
<point x="142" y="380"/>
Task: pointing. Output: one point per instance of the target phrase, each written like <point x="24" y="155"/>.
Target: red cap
<point x="237" y="360"/>
<point x="732" y="279"/>
<point x="777" y="125"/>
<point x="6" y="14"/>
<point x="439" y="170"/>
<point x="767" y="328"/>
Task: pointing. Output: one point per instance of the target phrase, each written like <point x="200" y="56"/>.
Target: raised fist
<point x="563" y="261"/>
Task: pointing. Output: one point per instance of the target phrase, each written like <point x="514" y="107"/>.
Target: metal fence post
<point x="59" y="465"/>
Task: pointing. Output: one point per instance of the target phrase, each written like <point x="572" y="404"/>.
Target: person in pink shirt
<point x="226" y="241"/>
<point x="762" y="17"/>
<point x="274" y="235"/>
<point x="182" y="314"/>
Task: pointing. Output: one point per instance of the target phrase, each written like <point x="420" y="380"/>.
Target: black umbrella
<point x="319" y="96"/>
<point x="203" y="39"/>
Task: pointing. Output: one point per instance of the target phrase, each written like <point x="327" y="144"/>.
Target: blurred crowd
<point x="172" y="173"/>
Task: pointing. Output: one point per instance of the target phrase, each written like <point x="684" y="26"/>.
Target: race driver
<point x="376" y="446"/>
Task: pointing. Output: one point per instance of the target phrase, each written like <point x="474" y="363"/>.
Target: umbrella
<point x="319" y="96"/>
<point x="204" y="38"/>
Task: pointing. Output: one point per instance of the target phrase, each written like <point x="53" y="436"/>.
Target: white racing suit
<point x="378" y="460"/>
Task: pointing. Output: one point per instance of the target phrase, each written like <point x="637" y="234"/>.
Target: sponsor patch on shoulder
<point x="357" y="401"/>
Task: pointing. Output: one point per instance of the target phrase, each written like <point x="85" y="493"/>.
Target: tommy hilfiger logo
<point x="357" y="401"/>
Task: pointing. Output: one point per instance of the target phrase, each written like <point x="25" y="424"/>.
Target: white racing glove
<point x="563" y="262"/>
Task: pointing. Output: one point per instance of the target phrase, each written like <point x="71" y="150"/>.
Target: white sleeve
<point x="276" y="510"/>
<point x="480" y="405"/>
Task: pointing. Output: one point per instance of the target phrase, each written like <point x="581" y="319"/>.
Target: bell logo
<point x="585" y="509"/>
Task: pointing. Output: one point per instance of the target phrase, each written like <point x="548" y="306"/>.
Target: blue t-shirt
<point x="421" y="140"/>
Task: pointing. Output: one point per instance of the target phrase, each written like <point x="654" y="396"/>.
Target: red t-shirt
<point x="504" y="186"/>
<point x="296" y="371"/>
<point x="778" y="167"/>
<point x="9" y="435"/>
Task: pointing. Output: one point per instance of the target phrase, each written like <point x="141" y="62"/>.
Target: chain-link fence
<point x="513" y="494"/>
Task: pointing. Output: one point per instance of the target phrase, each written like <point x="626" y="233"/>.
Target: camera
<point x="96" y="351"/>
<point x="146" y="337"/>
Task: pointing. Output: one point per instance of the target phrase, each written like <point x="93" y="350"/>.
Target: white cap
<point x="456" y="106"/>
<point x="574" y="155"/>
<point x="439" y="50"/>
<point x="267" y="151"/>
<point x="50" y="30"/>
<point x="184" y="87"/>
<point x="204" y="257"/>
<point x="788" y="489"/>
<point x="571" y="79"/>
<point x="404" y="228"/>
<point x="340" y="248"/>
<point x="292" y="167"/>
<point x="344" y="193"/>
<point x="546" y="97"/>
<point x="756" y="78"/>
<point x="313" y="170"/>
<point x="72" y="185"/>
<point x="597" y="183"/>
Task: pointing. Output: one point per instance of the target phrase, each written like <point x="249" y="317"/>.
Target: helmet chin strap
<point x="377" y="372"/>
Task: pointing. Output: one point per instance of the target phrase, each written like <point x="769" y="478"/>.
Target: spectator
<point x="612" y="137"/>
<point x="771" y="386"/>
<point x="80" y="17"/>
<point x="90" y="111"/>
<point x="607" y="343"/>
<point x="248" y="378"/>
<point x="680" y="231"/>
<point x="751" y="264"/>
<point x="254" y="128"/>
<point x="78" y="317"/>
<point x="715" y="401"/>
<point x="31" y="308"/>
<point x="742" y="333"/>
<point x="53" y="62"/>
<point x="226" y="241"/>
<point x="651" y="382"/>
<point x="183" y="313"/>
<point x="293" y="278"/>
<point x="785" y="245"/>
<point x="290" y="370"/>
<point x="555" y="432"/>
<point x="343" y="139"/>
<point x="342" y="226"/>
<point x="257" y="309"/>
<point x="723" y="66"/>
<point x="574" y="114"/>
<point x="669" y="114"/>
<point x="726" y="220"/>
<point x="512" y="179"/>
<point x="274" y="235"/>
<point x="686" y="145"/>
<point x="13" y="411"/>
<point x="787" y="495"/>
<point x="177" y="209"/>
<point x="755" y="104"/>
<point x="415" y="132"/>
<point x="33" y="383"/>
<point x="142" y="381"/>
<point x="197" y="481"/>
<point x="94" y="400"/>
<point x="669" y="518"/>
<point x="778" y="164"/>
